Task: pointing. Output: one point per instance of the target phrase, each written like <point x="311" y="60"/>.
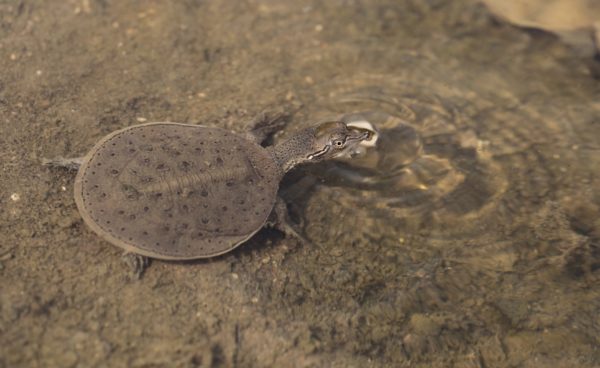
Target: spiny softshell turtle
<point x="179" y="191"/>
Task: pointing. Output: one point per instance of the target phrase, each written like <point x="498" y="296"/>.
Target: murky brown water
<point x="468" y="237"/>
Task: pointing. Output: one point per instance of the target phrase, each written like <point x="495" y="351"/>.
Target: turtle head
<point x="327" y="140"/>
<point x="335" y="139"/>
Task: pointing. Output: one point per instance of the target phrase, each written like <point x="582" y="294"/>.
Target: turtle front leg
<point x="281" y="221"/>
<point x="71" y="164"/>
<point x="136" y="263"/>
<point x="266" y="124"/>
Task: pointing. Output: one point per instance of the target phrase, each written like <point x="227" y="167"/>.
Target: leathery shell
<point x="176" y="191"/>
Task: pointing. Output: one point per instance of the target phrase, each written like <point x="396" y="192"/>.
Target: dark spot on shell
<point x="146" y="209"/>
<point x="120" y="212"/>
<point x="224" y="208"/>
<point x="205" y="221"/>
<point x="204" y="193"/>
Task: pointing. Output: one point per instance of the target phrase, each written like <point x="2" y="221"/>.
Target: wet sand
<point x="489" y="256"/>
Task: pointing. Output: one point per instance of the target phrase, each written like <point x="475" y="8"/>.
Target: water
<point x="467" y="237"/>
<point x="462" y="222"/>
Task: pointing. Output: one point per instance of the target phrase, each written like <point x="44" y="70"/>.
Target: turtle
<point x="176" y="191"/>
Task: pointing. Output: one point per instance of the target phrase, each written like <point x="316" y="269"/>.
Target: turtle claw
<point x="289" y="231"/>
<point x="136" y="263"/>
<point x="71" y="164"/>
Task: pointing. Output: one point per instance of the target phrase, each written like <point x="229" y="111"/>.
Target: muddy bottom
<point x="469" y="237"/>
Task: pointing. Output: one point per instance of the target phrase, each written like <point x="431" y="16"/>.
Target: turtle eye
<point x="338" y="143"/>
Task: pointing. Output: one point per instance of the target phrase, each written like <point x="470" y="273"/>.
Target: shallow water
<point x="468" y="237"/>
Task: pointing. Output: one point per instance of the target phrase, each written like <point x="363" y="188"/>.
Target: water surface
<point x="468" y="237"/>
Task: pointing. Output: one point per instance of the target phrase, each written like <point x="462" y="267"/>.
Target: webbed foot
<point x="267" y="123"/>
<point x="71" y="164"/>
<point x="136" y="263"/>
<point x="281" y="221"/>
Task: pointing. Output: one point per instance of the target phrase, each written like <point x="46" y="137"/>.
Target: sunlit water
<point x="461" y="216"/>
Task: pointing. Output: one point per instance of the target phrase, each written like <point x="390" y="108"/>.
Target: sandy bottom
<point x="480" y="249"/>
